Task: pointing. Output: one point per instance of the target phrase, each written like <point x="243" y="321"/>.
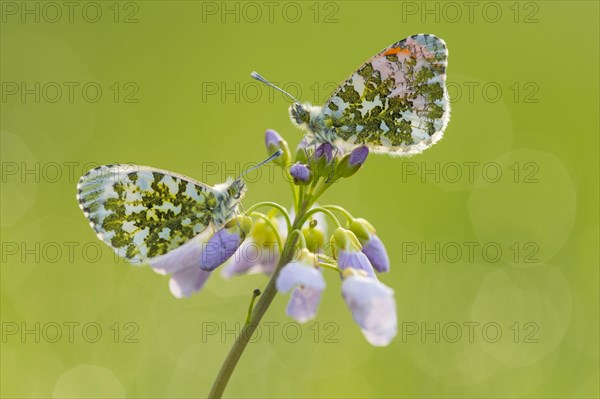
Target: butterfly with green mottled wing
<point x="148" y="215"/>
<point x="395" y="103"/>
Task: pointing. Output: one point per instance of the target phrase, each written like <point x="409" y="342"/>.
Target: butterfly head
<point x="299" y="114"/>
<point x="230" y="195"/>
<point x="235" y="190"/>
<point x="307" y="117"/>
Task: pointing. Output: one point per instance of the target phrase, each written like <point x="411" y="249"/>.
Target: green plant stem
<point x="275" y="205"/>
<point x="293" y="187"/>
<point x="260" y="308"/>
<point x="300" y="237"/>
<point x="341" y="210"/>
<point x="320" y="190"/>
<point x="325" y="212"/>
<point x="255" y="294"/>
<point x="330" y="266"/>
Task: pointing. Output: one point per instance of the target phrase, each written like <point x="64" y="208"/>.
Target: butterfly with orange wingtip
<point x="396" y="103"/>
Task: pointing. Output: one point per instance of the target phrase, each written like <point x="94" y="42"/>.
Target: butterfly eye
<point x="236" y="196"/>
<point x="299" y="114"/>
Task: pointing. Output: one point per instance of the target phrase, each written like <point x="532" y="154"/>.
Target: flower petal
<point x="304" y="303"/>
<point x="299" y="273"/>
<point x="376" y="253"/>
<point x="373" y="308"/>
<point x="358" y="156"/>
<point x="183" y="257"/>
<point x="300" y="173"/>
<point x="246" y="256"/>
<point x="324" y="150"/>
<point x="272" y="138"/>
<point x="220" y="247"/>
<point x="251" y="258"/>
<point x="356" y="260"/>
<point x="185" y="282"/>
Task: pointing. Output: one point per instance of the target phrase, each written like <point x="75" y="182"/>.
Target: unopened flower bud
<point x="315" y="238"/>
<point x="323" y="161"/>
<point x="300" y="173"/>
<point x="372" y="246"/>
<point x="352" y="162"/>
<point x="349" y="252"/>
<point x="274" y="142"/>
<point x="325" y="150"/>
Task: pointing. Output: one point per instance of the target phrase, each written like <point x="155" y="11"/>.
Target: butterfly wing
<point x="142" y="212"/>
<point x="396" y="102"/>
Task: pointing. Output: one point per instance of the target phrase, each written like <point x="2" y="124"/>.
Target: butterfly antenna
<point x="258" y="77"/>
<point x="276" y="154"/>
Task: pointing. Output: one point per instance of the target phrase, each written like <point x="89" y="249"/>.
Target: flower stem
<point x="325" y="212"/>
<point x="255" y="294"/>
<point x="341" y="210"/>
<point x="259" y="310"/>
<point x="275" y="205"/>
<point x="330" y="266"/>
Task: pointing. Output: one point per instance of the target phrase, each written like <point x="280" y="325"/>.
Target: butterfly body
<point x="395" y="103"/>
<point x="143" y="212"/>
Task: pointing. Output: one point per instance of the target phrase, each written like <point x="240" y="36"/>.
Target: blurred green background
<point x="492" y="233"/>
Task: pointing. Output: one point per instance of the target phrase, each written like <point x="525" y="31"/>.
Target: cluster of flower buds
<point x="313" y="161"/>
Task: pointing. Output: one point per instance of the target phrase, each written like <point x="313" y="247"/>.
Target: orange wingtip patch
<point x="397" y="50"/>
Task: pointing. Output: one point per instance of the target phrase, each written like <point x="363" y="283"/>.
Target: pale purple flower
<point x="373" y="308"/>
<point x="375" y="251"/>
<point x="187" y="264"/>
<point x="252" y="257"/>
<point x="372" y="246"/>
<point x="349" y="252"/>
<point x="308" y="284"/>
<point x="185" y="282"/>
<point x="220" y="247"/>
<point x="354" y="258"/>
<point x="300" y="173"/>
<point x="182" y="264"/>
<point x="304" y="303"/>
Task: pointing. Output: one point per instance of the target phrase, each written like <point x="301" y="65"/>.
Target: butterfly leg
<point x="332" y="166"/>
<point x="312" y="142"/>
<point x="243" y="210"/>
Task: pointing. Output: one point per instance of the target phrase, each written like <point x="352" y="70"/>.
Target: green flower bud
<point x="243" y="224"/>
<point x="262" y="233"/>
<point x="362" y="229"/>
<point x="346" y="239"/>
<point x="315" y="238"/>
